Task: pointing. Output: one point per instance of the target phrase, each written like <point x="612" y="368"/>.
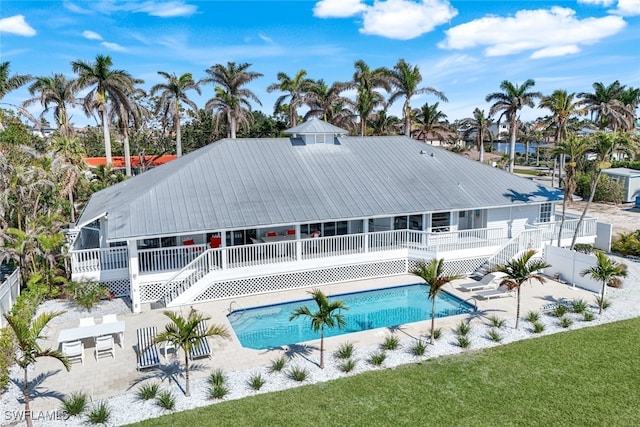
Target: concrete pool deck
<point x="115" y="376"/>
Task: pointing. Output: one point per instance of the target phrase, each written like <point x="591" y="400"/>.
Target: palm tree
<point x="108" y="86"/>
<point x="603" y="146"/>
<point x="562" y="107"/>
<point x="606" y="271"/>
<point x="366" y="81"/>
<point x="574" y="147"/>
<point x="10" y="83"/>
<point x="183" y="333"/>
<point x="28" y="338"/>
<point x="520" y="270"/>
<point x="480" y="125"/>
<point x="432" y="273"/>
<point x="431" y="121"/>
<point x="606" y="107"/>
<point x="127" y="115"/>
<point x="231" y="79"/>
<point x="381" y="124"/>
<point x="327" y="316"/>
<point x="173" y="92"/>
<point x="511" y="100"/>
<point x="630" y="97"/>
<point x="405" y="80"/>
<point x="296" y="90"/>
<point x="56" y="90"/>
<point x="326" y="102"/>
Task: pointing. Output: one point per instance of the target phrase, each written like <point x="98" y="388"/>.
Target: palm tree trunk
<point x="518" y="308"/>
<point x="564" y="209"/>
<point x="178" y="135"/>
<point x="127" y="151"/>
<point x="322" y="348"/>
<point x="481" y="150"/>
<point x="407" y="118"/>
<point x="604" y="285"/>
<point x="512" y="144"/>
<point x="106" y="136"/>
<point x="25" y="391"/>
<point x="433" y="320"/>
<point x="232" y="124"/>
<point x="73" y="209"/>
<point x="594" y="185"/>
<point x="186" y="373"/>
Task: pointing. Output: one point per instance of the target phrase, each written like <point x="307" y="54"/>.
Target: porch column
<point x="365" y="231"/>
<point x="134" y="276"/>
<point x="298" y="243"/>
<point x="223" y="251"/>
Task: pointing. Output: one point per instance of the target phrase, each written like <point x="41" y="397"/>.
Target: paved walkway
<point x="111" y="376"/>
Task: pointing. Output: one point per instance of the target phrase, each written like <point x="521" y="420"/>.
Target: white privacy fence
<point x="9" y="291"/>
<point x="567" y="266"/>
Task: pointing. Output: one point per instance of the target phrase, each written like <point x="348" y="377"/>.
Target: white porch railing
<point x="525" y="240"/>
<point x="9" y="291"/>
<point x="550" y="230"/>
<point x="91" y="260"/>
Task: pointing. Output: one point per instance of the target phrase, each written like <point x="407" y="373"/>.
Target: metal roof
<point x="632" y="173"/>
<point x="251" y="183"/>
<point x="315" y="126"/>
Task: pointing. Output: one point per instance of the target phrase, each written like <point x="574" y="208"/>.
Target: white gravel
<point x="127" y="408"/>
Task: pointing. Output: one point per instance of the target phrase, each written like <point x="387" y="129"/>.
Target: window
<point x="440" y="221"/>
<point x="415" y="222"/>
<point x="545" y="212"/>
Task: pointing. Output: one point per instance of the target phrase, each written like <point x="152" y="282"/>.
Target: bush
<point x="627" y="244"/>
<point x="7" y="352"/>
<point x="588" y="316"/>
<point x="298" y="374"/>
<point x="494" y="335"/>
<point x="217" y="377"/>
<point x="607" y="189"/>
<point x="419" y="348"/>
<point x="256" y="381"/>
<point x="390" y="343"/>
<point x="376" y="359"/>
<point x="566" y="321"/>
<point x="218" y="391"/>
<point x="533" y="316"/>
<point x="437" y="333"/>
<point x="345" y="351"/>
<point x="538" y="327"/>
<point x="578" y="306"/>
<point x="348" y="365"/>
<point x="278" y="364"/>
<point x="148" y="391"/>
<point x="462" y="329"/>
<point x="463" y="341"/>
<point x="86" y="293"/>
<point x="603" y="303"/>
<point x="497" y="322"/>
<point x="100" y="413"/>
<point x="75" y="403"/>
<point x="559" y="310"/>
<point x="584" y="248"/>
<point x="166" y="400"/>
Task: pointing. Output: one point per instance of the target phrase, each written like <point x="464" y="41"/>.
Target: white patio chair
<point x="110" y="318"/>
<point x="73" y="351"/>
<point x="86" y="321"/>
<point x="104" y="346"/>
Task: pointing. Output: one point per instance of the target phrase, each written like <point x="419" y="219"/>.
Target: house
<point x="255" y="215"/>
<point x="629" y="179"/>
<point x="138" y="163"/>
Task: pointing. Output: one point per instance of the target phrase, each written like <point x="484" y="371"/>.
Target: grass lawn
<point x="578" y="378"/>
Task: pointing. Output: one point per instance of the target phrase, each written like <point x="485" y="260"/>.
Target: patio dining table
<point x="81" y="332"/>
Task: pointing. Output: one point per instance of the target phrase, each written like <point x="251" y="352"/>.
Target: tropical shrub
<point x="348" y="365"/>
<point x="298" y="374"/>
<point x="533" y="316"/>
<point x="463" y="328"/>
<point x="494" y="335"/>
<point x="75" y="403"/>
<point x="390" y="343"/>
<point x="419" y="348"/>
<point x="376" y="359"/>
<point x="578" y="306"/>
<point x="627" y="244"/>
<point x="463" y="341"/>
<point x="166" y="400"/>
<point x="538" y="327"/>
<point x="607" y="190"/>
<point x="559" y="310"/>
<point x="437" y="333"/>
<point x="86" y="293"/>
<point x="603" y="303"/>
<point x="100" y="413"/>
<point x="7" y="349"/>
<point x="497" y="322"/>
<point x="217" y="377"/>
<point x="278" y="364"/>
<point x="345" y="351"/>
<point x="565" y="321"/>
<point x="256" y="381"/>
<point x="218" y="391"/>
<point x="588" y="316"/>
<point x="148" y="391"/>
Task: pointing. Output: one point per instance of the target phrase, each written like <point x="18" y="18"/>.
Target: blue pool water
<point x="269" y="326"/>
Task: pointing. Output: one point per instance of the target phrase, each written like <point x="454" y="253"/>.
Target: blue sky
<point x="463" y="48"/>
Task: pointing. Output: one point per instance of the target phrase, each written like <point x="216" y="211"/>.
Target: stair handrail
<point x="533" y="240"/>
<point x="202" y="263"/>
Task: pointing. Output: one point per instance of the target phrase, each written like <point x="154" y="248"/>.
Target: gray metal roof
<point x="315" y="126"/>
<point x="249" y="183"/>
<point x="622" y="172"/>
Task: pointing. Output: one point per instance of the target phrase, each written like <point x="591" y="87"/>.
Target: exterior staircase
<point x="184" y="279"/>
<point x="523" y="241"/>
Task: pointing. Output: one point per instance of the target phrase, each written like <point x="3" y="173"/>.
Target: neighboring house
<point x="138" y="163"/>
<point x="629" y="179"/>
<point x="442" y="138"/>
<point x="254" y="215"/>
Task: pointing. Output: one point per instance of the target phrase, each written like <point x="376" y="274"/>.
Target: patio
<point x="111" y="377"/>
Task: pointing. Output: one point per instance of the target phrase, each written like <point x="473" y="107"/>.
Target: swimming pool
<point x="269" y="326"/>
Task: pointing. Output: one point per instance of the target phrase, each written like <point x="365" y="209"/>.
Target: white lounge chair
<point x="86" y="321"/>
<point x="491" y="280"/>
<point x="203" y="349"/>
<point x="147" y="350"/>
<point x="104" y="346"/>
<point x="501" y="291"/>
<point x="73" y="350"/>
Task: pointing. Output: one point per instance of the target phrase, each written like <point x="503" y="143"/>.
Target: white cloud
<point x="405" y="19"/>
<point x="91" y="35"/>
<point x="113" y="46"/>
<point x="75" y="8"/>
<point x="166" y="10"/>
<point x="545" y="32"/>
<point x="605" y="3"/>
<point x="338" y="8"/>
<point x="627" y="8"/>
<point x="265" y="38"/>
<point x="16" y="25"/>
